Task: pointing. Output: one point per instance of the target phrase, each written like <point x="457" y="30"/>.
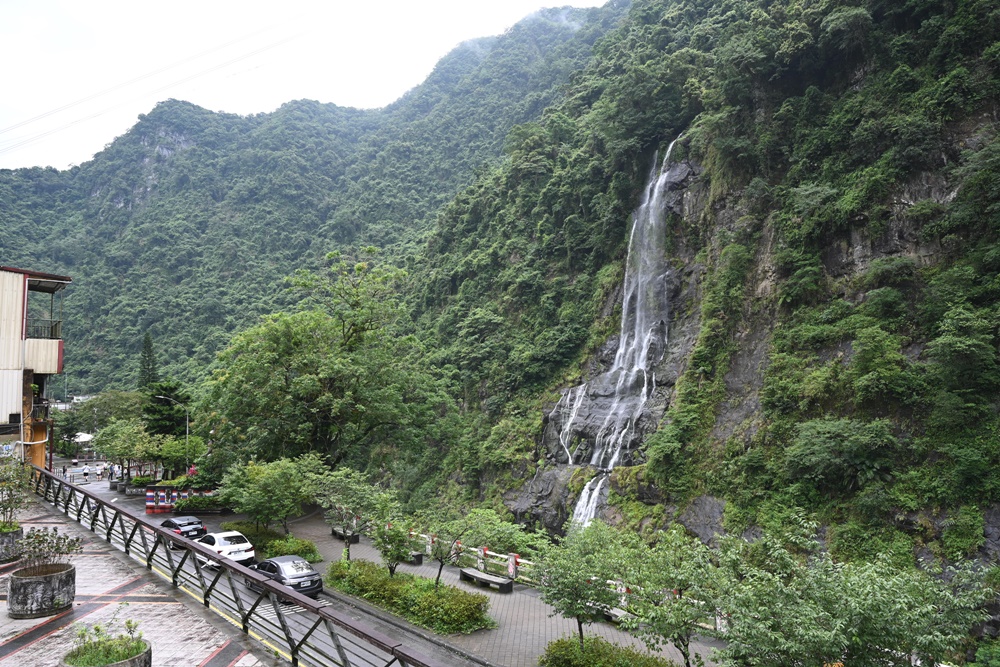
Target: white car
<point x="231" y="544"/>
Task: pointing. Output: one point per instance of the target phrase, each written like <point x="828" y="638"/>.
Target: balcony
<point x="40" y="410"/>
<point x="44" y="329"/>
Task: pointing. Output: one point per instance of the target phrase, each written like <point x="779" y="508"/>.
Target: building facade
<point x="31" y="352"/>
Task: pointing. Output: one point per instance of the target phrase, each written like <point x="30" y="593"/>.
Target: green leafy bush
<point x="289" y="546"/>
<point x="144" y="480"/>
<point x="198" y="503"/>
<point x="963" y="534"/>
<point x="444" y="609"/>
<point x="260" y="537"/>
<point x="96" y="646"/>
<point x="840" y="455"/>
<point x="597" y="652"/>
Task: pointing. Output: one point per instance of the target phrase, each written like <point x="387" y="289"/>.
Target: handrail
<point x="306" y="631"/>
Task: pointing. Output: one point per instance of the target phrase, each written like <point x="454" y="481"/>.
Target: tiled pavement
<point x="182" y="633"/>
<point x="525" y="625"/>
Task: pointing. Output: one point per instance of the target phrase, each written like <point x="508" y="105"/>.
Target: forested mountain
<point x="831" y="343"/>
<point x="187" y="225"/>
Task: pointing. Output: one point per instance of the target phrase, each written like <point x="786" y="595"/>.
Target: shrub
<point x="597" y="652"/>
<point x="963" y="533"/>
<point x="290" y="546"/>
<point x="145" y="480"/>
<point x="96" y="646"/>
<point x="41" y="548"/>
<point x="445" y="609"/>
<point x="259" y="536"/>
<point x="195" y="504"/>
<point x="15" y="480"/>
<point x="839" y="455"/>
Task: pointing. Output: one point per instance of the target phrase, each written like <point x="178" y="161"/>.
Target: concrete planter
<point x="46" y="590"/>
<point x="134" y="490"/>
<point x="144" y="659"/>
<point x="8" y="545"/>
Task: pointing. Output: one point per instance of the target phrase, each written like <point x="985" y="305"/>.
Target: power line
<point x="19" y="144"/>
<point x="137" y="79"/>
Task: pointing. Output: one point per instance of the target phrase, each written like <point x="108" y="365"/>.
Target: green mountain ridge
<point x="187" y="225"/>
<point x="835" y="332"/>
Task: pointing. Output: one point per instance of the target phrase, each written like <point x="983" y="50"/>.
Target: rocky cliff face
<point x="549" y="497"/>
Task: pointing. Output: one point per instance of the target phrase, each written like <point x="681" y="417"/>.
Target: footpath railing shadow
<point x="303" y="630"/>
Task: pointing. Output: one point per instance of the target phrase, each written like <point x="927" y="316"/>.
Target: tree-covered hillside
<point x="839" y="248"/>
<point x="833" y="333"/>
<point x="187" y="225"/>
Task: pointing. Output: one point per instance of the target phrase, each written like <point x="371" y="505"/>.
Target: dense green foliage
<point x="597" y="652"/>
<point x="845" y="219"/>
<point x="185" y="227"/>
<point x="444" y="609"/>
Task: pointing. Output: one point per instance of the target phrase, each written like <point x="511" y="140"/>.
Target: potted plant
<point x="98" y="646"/>
<point x="45" y="583"/>
<point x="15" y="481"/>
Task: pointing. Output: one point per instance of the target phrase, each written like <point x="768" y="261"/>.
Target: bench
<point x="503" y="584"/>
<point x="416" y="558"/>
<point x="615" y="615"/>
<point x="337" y="532"/>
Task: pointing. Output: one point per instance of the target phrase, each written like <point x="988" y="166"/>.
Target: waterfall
<point x="630" y="381"/>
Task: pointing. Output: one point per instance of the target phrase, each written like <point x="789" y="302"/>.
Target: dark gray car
<point x="190" y="527"/>
<point x="292" y="571"/>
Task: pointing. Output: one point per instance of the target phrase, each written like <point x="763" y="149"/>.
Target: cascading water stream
<point x="642" y="341"/>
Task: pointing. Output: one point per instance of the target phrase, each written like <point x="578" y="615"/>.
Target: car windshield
<point x="297" y="567"/>
<point x="233" y="539"/>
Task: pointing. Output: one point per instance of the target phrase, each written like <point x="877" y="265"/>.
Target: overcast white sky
<point x="78" y="73"/>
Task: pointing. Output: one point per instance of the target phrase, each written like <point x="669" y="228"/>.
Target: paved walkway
<point x="525" y="624"/>
<point x="182" y="632"/>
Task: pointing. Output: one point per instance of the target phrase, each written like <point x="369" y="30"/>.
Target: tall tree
<point x="674" y="597"/>
<point x="168" y="410"/>
<point x="148" y="371"/>
<point x="336" y="379"/>
<point x="576" y="575"/>
<point x="352" y="502"/>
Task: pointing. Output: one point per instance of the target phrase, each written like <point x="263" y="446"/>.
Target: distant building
<point x="31" y="350"/>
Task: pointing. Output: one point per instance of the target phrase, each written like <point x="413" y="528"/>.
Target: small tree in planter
<point x="15" y="480"/>
<point x="45" y="584"/>
<point x="96" y="646"/>
<point x="352" y="503"/>
<point x="390" y="535"/>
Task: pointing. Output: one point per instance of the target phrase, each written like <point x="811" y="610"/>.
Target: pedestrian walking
<point x="65" y="470"/>
<point x="86" y="473"/>
<point x="100" y="471"/>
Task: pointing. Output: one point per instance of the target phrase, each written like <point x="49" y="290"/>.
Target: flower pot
<point x="144" y="659"/>
<point x="45" y="590"/>
<point x="8" y="544"/>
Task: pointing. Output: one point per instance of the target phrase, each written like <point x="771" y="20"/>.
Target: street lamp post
<point x="187" y="431"/>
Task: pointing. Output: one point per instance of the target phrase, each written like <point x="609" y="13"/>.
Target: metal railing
<point x="301" y="629"/>
<point x="45" y="329"/>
